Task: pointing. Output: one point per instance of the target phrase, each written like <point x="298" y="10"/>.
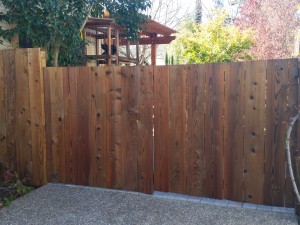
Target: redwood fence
<point x="213" y="130"/>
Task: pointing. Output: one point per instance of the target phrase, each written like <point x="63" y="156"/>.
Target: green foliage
<point x="214" y="41"/>
<point x="13" y="188"/>
<point x="55" y="24"/>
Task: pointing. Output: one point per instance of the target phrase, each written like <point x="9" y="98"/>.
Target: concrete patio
<point x="68" y="204"/>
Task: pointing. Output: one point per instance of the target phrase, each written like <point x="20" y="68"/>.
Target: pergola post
<point x="153" y="54"/>
<point x="153" y="51"/>
<point x="109" y="45"/>
<point x="137" y="53"/>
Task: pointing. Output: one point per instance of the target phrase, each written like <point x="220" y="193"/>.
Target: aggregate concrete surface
<point x="63" y="204"/>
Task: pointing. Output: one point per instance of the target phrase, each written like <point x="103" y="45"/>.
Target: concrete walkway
<point x="63" y="204"/>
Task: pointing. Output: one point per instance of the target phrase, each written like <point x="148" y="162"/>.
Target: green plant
<point x="12" y="187"/>
<point x="56" y="25"/>
<point x="213" y="41"/>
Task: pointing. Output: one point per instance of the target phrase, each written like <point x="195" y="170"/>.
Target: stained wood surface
<point x="234" y="131"/>
<point x="255" y="87"/>
<point x="195" y="129"/>
<point x="161" y="128"/>
<point x="177" y="139"/>
<point x="3" y="144"/>
<point x="100" y="120"/>
<point x="22" y="119"/>
<point x="292" y="110"/>
<point x="213" y="130"/>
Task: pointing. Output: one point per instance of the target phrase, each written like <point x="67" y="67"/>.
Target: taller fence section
<point x="99" y="126"/>
<point x="220" y="129"/>
<point x="22" y="118"/>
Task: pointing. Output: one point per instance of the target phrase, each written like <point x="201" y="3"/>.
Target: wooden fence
<point x="220" y="130"/>
<point x="99" y="126"/>
<point x="213" y="130"/>
<point x="22" y="117"/>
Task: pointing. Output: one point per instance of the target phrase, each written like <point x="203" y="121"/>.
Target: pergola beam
<point x="151" y="40"/>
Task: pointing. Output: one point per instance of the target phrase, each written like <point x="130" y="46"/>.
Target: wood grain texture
<point x="217" y="108"/>
<point x="37" y="115"/>
<point x="255" y="87"/>
<point x="23" y="117"/>
<point x="177" y="140"/>
<point x="9" y="72"/>
<point x="3" y="144"/>
<point x="48" y="128"/>
<point x="73" y="74"/>
<point x="195" y="129"/>
<point x="293" y="105"/>
<point x="219" y="129"/>
<point x="161" y="128"/>
<point x="99" y="91"/>
<point x="276" y="115"/>
<point x="234" y="131"/>
<point x="130" y="78"/>
<point x="57" y="126"/>
<point x="83" y="104"/>
<point x="208" y="192"/>
<point x="145" y="130"/>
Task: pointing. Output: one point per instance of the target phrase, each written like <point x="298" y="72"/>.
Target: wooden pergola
<point x="108" y="36"/>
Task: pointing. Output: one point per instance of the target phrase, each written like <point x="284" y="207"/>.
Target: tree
<point x="198" y="12"/>
<point x="213" y="41"/>
<point x="274" y="23"/>
<point x="219" y="4"/>
<point x="56" y="24"/>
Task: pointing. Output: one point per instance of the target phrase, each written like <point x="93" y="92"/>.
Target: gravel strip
<point x="62" y="204"/>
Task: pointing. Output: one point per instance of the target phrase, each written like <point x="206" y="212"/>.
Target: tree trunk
<point x="55" y="56"/>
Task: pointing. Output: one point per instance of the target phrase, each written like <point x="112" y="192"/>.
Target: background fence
<point x="219" y="129"/>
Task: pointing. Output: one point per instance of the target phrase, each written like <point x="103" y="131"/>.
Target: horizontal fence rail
<point x="213" y="130"/>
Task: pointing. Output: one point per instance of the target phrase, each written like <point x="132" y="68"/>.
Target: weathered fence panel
<point x="100" y="121"/>
<point x="211" y="130"/>
<point x="22" y="119"/>
<point x="230" y="141"/>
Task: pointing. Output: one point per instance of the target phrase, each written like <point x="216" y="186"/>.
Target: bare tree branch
<point x="289" y="130"/>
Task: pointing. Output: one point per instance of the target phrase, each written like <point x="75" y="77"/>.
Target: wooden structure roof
<point x="107" y="30"/>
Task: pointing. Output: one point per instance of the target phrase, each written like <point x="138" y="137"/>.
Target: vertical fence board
<point x="118" y="127"/>
<point x="161" y="128"/>
<point x="130" y="77"/>
<point x="234" y="132"/>
<point x="9" y="72"/>
<point x="23" y="133"/>
<point x="100" y="90"/>
<point x="83" y="105"/>
<point x="293" y="104"/>
<point x="57" y="116"/>
<point x="37" y="115"/>
<point x="276" y="115"/>
<point x="217" y="102"/>
<point x="110" y="128"/>
<point x="207" y="132"/>
<point x="195" y="129"/>
<point x="93" y="129"/>
<point x="3" y="144"/>
<point x="177" y="144"/>
<point x="115" y="179"/>
<point x="67" y="123"/>
<point x="48" y="128"/>
<point x="73" y="74"/>
<point x="255" y="87"/>
<point x="145" y="130"/>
